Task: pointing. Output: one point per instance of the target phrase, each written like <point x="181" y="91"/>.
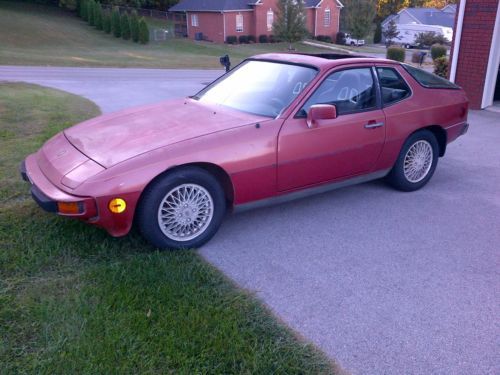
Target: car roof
<point x="322" y="60"/>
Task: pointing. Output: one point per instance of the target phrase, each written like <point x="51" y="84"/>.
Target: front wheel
<point x="416" y="162"/>
<point x="181" y="210"/>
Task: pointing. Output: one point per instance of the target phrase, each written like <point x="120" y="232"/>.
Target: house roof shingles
<point x="426" y="16"/>
<point x="211" y="5"/>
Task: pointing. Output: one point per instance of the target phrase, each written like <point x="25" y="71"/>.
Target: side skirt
<point x="286" y="197"/>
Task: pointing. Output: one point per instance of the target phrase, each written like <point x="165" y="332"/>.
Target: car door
<point x="336" y="148"/>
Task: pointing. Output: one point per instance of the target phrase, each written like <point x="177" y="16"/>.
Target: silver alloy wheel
<point x="418" y="161"/>
<point x="185" y="212"/>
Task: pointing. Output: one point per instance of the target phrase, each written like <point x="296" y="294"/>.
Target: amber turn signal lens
<point x="71" y="208"/>
<point x="117" y="205"/>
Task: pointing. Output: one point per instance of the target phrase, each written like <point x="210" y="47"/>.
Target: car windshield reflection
<point x="259" y="87"/>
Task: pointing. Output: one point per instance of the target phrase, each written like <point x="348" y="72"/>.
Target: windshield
<point x="260" y="87"/>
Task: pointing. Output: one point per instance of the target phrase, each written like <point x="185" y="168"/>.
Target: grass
<point x="75" y="300"/>
<point x="32" y="34"/>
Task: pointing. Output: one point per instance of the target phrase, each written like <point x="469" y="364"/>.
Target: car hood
<point x="113" y="138"/>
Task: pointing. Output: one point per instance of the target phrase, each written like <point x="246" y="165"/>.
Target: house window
<point x="239" y="23"/>
<point x="327" y="21"/>
<point x="270" y="20"/>
<point x="194" y="20"/>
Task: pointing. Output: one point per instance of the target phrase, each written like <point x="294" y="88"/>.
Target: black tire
<point x="397" y="177"/>
<point x="147" y="215"/>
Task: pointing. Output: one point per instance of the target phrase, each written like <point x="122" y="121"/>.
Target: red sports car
<point x="277" y="126"/>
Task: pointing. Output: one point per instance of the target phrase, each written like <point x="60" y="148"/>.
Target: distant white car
<point x="353" y="42"/>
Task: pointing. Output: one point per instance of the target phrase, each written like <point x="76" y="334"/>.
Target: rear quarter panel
<point x="426" y="107"/>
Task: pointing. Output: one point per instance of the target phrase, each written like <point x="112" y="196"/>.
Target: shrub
<point x="231" y="39"/>
<point x="134" y="26"/>
<point x="106" y="22"/>
<point x="84" y="10"/>
<point x="415" y="57"/>
<point x="115" y="23"/>
<point x="90" y="12"/>
<point x="396" y="53"/>
<point x="143" y="31"/>
<point x="251" y="38"/>
<point x="243" y="39"/>
<point x="377" y="36"/>
<point x="125" y="26"/>
<point x="98" y="16"/>
<point x="263" y="39"/>
<point x="273" y="39"/>
<point x="441" y="66"/>
<point x="340" y="38"/>
<point x="324" y="38"/>
<point x="437" y="50"/>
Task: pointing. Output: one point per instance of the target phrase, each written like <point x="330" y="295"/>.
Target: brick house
<point x="214" y="20"/>
<point x="475" y="54"/>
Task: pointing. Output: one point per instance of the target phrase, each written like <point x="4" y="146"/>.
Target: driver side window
<point x="350" y="90"/>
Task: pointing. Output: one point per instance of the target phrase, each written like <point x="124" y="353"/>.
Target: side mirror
<point x="320" y="112"/>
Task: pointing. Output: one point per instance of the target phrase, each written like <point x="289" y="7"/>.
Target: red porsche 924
<point x="276" y="126"/>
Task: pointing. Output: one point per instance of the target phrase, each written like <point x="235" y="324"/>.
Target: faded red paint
<point x="118" y="155"/>
<point x="475" y="44"/>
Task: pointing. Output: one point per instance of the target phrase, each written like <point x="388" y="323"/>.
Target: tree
<point x="115" y="23"/>
<point x="391" y="33"/>
<point x="125" y="26"/>
<point x="134" y="26"/>
<point x="143" y="31"/>
<point x="90" y="12"/>
<point x="360" y="17"/>
<point x="106" y="22"/>
<point x="84" y="10"/>
<point x="98" y="16"/>
<point x="290" y="22"/>
<point x="377" y="36"/>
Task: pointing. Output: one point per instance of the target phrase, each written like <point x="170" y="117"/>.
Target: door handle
<point x="373" y="125"/>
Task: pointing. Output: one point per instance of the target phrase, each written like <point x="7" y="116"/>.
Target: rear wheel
<point x="181" y="210"/>
<point x="416" y="162"/>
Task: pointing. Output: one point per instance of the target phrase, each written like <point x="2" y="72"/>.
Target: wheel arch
<point x="440" y="135"/>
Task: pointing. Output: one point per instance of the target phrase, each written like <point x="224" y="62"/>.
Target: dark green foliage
<point x="429" y="38"/>
<point x="396" y="53"/>
<point x="115" y="23"/>
<point x="251" y="38"/>
<point x="143" y="31"/>
<point x="441" y="66"/>
<point x="290" y="21"/>
<point x="391" y="33"/>
<point x="98" y="16"/>
<point x="125" y="26"/>
<point x="324" y="38"/>
<point x="243" y="39"/>
<point x="340" y="38"/>
<point x="106" y="22"/>
<point x="360" y="17"/>
<point x="438" y="50"/>
<point x="231" y="39"/>
<point x="84" y="10"/>
<point x="377" y="36"/>
<point x="263" y="39"/>
<point x="134" y="26"/>
<point x="90" y="12"/>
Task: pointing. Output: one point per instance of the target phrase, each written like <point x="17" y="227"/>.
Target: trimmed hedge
<point x="396" y="53"/>
<point x="231" y="39"/>
<point x="441" y="66"/>
<point x="324" y="38"/>
<point x="340" y="38"/>
<point x="143" y="31"/>
<point x="438" y="50"/>
<point x="115" y="23"/>
<point x="263" y="39"/>
<point x="243" y="39"/>
<point x="251" y="38"/>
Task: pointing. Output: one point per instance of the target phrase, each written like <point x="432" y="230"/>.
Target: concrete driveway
<point x="383" y="282"/>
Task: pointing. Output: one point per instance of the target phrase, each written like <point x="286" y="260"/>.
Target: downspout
<point x="187" y="23"/>
<point x="456" y="40"/>
<point x="224" y="25"/>
<point x="315" y="21"/>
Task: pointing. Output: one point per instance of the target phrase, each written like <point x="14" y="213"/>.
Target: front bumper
<point x="48" y="196"/>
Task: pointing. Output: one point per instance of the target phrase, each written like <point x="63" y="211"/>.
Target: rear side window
<point x="429" y="80"/>
<point x="392" y="86"/>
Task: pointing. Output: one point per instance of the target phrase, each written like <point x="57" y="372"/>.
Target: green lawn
<point x="75" y="300"/>
<point x="33" y="34"/>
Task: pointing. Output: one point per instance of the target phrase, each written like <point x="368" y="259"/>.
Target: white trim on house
<point x="224" y="26"/>
<point x="457" y="37"/>
<point x="490" y="79"/>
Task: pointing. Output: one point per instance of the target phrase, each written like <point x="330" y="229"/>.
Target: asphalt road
<point x="383" y="282"/>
